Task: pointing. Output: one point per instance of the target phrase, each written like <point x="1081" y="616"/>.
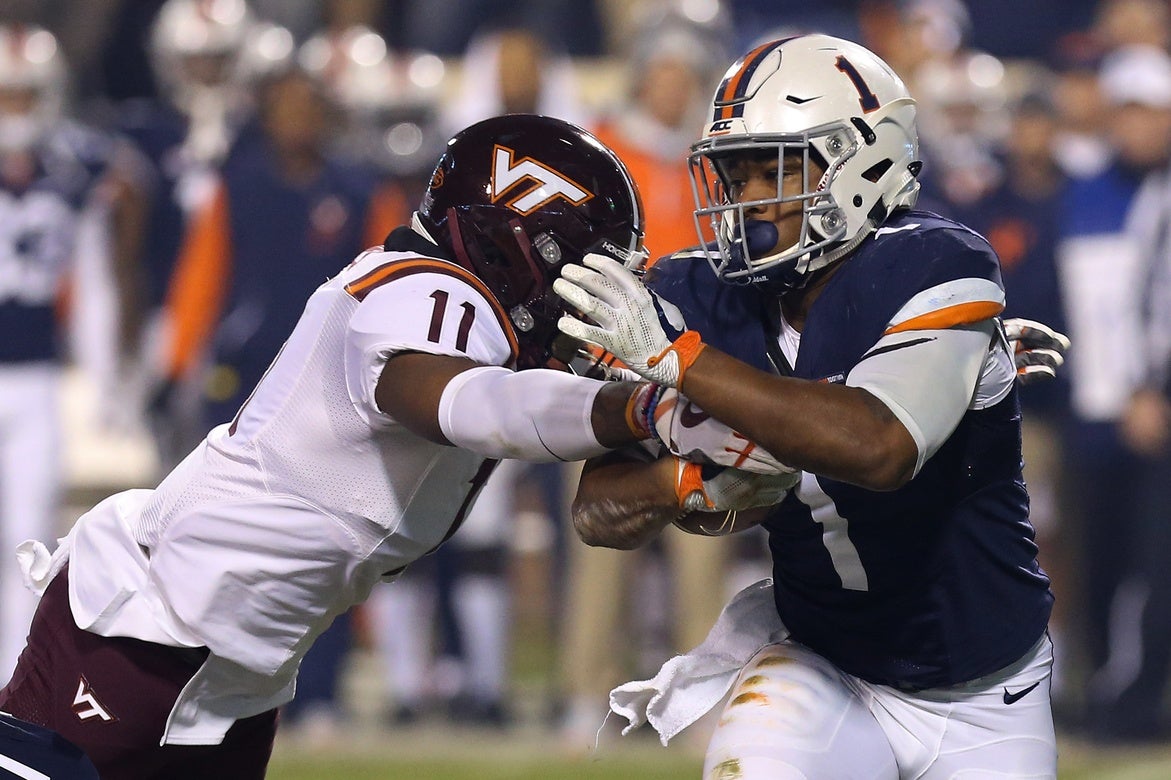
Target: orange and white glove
<point x="691" y="433"/>
<point x="1037" y="349"/>
<point x="625" y="320"/>
<point x="705" y="487"/>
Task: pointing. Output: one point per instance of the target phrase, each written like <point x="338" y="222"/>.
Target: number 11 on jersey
<point x="440" y="311"/>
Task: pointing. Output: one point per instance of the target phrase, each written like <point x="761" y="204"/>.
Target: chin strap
<point x="838" y="252"/>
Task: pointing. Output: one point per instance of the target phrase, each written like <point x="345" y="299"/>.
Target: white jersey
<point x="287" y="516"/>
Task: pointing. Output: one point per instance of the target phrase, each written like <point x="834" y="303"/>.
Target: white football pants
<point x="30" y="479"/>
<point x="793" y="715"/>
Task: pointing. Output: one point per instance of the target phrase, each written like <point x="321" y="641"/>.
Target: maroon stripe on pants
<point x="111" y="697"/>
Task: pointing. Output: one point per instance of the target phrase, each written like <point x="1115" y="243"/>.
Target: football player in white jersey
<point x="173" y="620"/>
<point x="65" y="220"/>
<point x="902" y="634"/>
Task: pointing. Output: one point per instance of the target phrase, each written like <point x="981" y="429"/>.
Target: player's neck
<point x="795" y="304"/>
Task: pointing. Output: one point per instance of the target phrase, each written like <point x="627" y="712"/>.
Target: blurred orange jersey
<point x="665" y="187"/>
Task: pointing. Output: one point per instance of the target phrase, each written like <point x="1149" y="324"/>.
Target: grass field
<point x="530" y="752"/>
<point x="367" y="749"/>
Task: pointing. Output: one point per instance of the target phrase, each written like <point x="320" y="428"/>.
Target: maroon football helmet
<point x="516" y="197"/>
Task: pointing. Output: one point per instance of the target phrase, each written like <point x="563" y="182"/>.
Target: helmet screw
<point x="547" y="248"/>
<point x="522" y="318"/>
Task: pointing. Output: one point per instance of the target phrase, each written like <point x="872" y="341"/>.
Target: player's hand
<point x="704" y="487"/>
<point x="692" y="434"/>
<point x="1037" y="349"/>
<point x="626" y="317"/>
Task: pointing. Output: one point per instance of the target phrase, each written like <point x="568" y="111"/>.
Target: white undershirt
<point x="789" y="340"/>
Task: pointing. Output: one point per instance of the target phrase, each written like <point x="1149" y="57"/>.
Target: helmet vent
<point x="876" y="171"/>
<point x="867" y="133"/>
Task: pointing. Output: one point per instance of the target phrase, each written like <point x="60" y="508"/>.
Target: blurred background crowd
<point x="176" y="176"/>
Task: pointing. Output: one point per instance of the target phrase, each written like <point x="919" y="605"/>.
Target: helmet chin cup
<point x="759" y="239"/>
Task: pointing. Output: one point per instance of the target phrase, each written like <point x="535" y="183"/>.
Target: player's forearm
<point x="536" y="415"/>
<point x="841" y="432"/>
<point x="623" y="503"/>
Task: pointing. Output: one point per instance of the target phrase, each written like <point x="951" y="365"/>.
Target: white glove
<point x="692" y="434"/>
<point x="709" y="488"/>
<point x="1037" y="349"/>
<point x="627" y="321"/>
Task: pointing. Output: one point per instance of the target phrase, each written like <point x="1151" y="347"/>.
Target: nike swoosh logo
<point x="800" y="100"/>
<point x="1013" y="698"/>
<point x="691" y="416"/>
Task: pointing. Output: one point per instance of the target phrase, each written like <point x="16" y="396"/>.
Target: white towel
<point x="689" y="685"/>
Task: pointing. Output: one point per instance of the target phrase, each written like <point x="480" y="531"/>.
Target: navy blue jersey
<point x="180" y="182"/>
<point x="39" y="218"/>
<point x="1023" y="229"/>
<point x="286" y="239"/>
<point x="951" y="587"/>
<point x="158" y="132"/>
<point x="35" y="751"/>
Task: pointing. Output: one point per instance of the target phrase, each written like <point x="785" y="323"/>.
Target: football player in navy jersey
<point x="835" y="330"/>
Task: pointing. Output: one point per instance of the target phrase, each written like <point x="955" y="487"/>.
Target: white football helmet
<point x="391" y="102"/>
<point x="198" y="45"/>
<point x="827" y="99"/>
<point x="30" y="63"/>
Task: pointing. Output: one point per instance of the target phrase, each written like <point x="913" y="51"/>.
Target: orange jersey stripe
<point x="950" y="316"/>
<point x="363" y="286"/>
<point x="199" y="284"/>
<point x="734" y="82"/>
<point x="388" y="207"/>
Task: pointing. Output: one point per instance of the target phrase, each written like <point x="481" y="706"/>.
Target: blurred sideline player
<point x="182" y="613"/>
<point x="474" y="680"/>
<point x="903" y="632"/>
<point x="67" y="217"/>
<point x="205" y="58"/>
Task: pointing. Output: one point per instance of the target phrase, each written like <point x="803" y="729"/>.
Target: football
<point x="721" y="523"/>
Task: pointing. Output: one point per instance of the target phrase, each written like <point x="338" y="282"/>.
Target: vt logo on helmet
<point x="513" y="199"/>
<point x="545" y="183"/>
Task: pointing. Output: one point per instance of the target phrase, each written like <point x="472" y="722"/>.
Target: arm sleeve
<point x="536" y="415"/>
<point x="928" y="379"/>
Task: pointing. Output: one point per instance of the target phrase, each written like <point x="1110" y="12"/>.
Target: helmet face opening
<point x="746" y="250"/>
<point x="517" y="197"/>
<point x="32" y="86"/>
<point x="823" y="101"/>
